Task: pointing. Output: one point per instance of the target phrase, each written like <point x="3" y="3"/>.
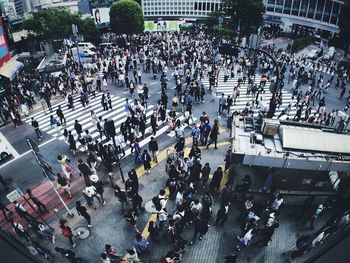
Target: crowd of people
<point x="190" y="57"/>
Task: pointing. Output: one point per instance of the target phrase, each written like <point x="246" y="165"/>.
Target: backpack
<point x="156" y="202"/>
<point x="66" y="232"/>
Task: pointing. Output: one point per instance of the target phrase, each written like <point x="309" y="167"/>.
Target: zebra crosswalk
<point x="83" y="115"/>
<point x="263" y="99"/>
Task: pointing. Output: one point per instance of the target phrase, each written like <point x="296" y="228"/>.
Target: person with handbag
<point x="63" y="182"/>
<point x="64" y="161"/>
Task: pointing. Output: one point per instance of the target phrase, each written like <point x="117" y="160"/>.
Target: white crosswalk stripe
<point x="83" y="115"/>
<point x="243" y="99"/>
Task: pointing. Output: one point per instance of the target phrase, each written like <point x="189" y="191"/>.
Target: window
<point x="327" y="11"/>
<point x="195" y="6"/>
<point x="319" y="10"/>
<point x="335" y="13"/>
<point x="279" y="6"/>
<point x="312" y="6"/>
<point x="295" y="8"/>
<point x="303" y="8"/>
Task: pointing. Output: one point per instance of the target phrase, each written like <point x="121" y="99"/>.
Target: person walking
<point x="89" y="193"/>
<point x="64" y="161"/>
<point x="267" y="234"/>
<point x="214" y="134"/>
<point x="35" y="125"/>
<point x="99" y="190"/>
<point x="5" y="211"/>
<point x="85" y="171"/>
<point x="60" y="115"/>
<point x="221" y="215"/>
<point x="42" y="208"/>
<point x="63" y="182"/>
<point x="20" y="231"/>
<point x="67" y="232"/>
<point x="216" y="180"/>
<point x="82" y="211"/>
<point x="78" y="128"/>
<point x="69" y="255"/>
<point x="55" y="123"/>
<point x="22" y="212"/>
<point x="72" y="143"/>
<point x="122" y="197"/>
<point x="153" y="148"/>
<point x="131" y="256"/>
<point x="200" y="228"/>
<point x="146" y="159"/>
<point x="141" y="244"/>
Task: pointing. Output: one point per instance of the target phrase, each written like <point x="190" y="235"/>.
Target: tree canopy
<point x="56" y="24"/>
<point x="126" y="17"/>
<point x="245" y="14"/>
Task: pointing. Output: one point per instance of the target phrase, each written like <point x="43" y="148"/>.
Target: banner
<point x="101" y="15"/>
<point x="4" y="51"/>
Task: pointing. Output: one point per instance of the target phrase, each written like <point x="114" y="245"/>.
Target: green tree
<point x="247" y="14"/>
<point x="126" y="17"/>
<point x="88" y="29"/>
<point x="344" y="24"/>
<point x="51" y="24"/>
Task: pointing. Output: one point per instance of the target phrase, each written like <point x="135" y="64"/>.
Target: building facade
<point x="175" y="9"/>
<point x="322" y="15"/>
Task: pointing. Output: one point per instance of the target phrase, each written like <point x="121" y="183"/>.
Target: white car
<point x="86" y="45"/>
<point x="4" y="151"/>
<point x="330" y="53"/>
<point x="312" y="54"/>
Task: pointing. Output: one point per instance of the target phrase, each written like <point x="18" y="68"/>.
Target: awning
<point x="11" y="68"/>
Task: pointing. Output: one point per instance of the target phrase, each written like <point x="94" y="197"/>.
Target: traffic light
<point x="228" y="49"/>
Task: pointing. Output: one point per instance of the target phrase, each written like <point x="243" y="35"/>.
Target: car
<point x="86" y="45"/>
<point x="4" y="151"/>
<point x="313" y="54"/>
<point x="330" y="53"/>
<point x="106" y="45"/>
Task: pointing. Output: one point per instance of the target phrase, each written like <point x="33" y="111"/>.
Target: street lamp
<point x="233" y="50"/>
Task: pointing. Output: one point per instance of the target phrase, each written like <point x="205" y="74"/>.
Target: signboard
<point x="101" y="15"/>
<point x="163" y="25"/>
<point x="14" y="195"/>
<point x="4" y="51"/>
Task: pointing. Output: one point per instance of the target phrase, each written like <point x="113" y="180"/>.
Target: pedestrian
<point x="67" y="232"/>
<point x="131" y="256"/>
<point x="85" y="171"/>
<point x="89" y="193"/>
<point x="246" y="239"/>
<point x="55" y="123"/>
<point x="5" y="211"/>
<point x="200" y="228"/>
<point x="221" y="215"/>
<point x="153" y="148"/>
<point x="63" y="182"/>
<point x="22" y="212"/>
<point x="141" y="244"/>
<point x="42" y="208"/>
<point x="20" y="231"/>
<point x="99" y="189"/>
<point x="82" y="211"/>
<point x="136" y="200"/>
<point x="35" y="125"/>
<point x="205" y="174"/>
<point x="131" y="218"/>
<point x="146" y="159"/>
<point x="267" y="234"/>
<point x="153" y="230"/>
<point x="214" y="134"/>
<point x="122" y="197"/>
<point x="216" y="180"/>
<point x="69" y="255"/>
<point x="60" y="115"/>
<point x="77" y="127"/>
<point x="67" y="170"/>
<point x="72" y="143"/>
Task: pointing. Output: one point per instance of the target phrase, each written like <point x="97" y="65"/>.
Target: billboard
<point x="101" y="15"/>
<point x="4" y="51"/>
<point x="163" y="25"/>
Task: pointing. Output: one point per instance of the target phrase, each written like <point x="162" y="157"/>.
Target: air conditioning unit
<point x="270" y="127"/>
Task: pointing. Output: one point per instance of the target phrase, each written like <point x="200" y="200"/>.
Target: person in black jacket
<point x="82" y="211"/>
<point x="201" y="228"/>
<point x="78" y="127"/>
<point x="146" y="159"/>
<point x="60" y="115"/>
<point x="214" y="134"/>
<point x="84" y="170"/>
<point x="153" y="148"/>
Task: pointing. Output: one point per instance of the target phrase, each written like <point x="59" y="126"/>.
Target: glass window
<point x="212" y="6"/>
<point x="335" y="13"/>
<point x="319" y="10"/>
<point x="295" y="8"/>
<point x="312" y="6"/>
<point x="279" y="6"/>
<point x="199" y="6"/>
<point x="303" y="8"/>
<point x="195" y="6"/>
<point x="327" y="11"/>
<point x="287" y="6"/>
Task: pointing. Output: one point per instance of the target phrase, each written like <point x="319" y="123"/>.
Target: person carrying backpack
<point x="67" y="232"/>
<point x="160" y="201"/>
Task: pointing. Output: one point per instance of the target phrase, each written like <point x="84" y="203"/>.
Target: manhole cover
<point x="82" y="232"/>
<point x="149" y="207"/>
